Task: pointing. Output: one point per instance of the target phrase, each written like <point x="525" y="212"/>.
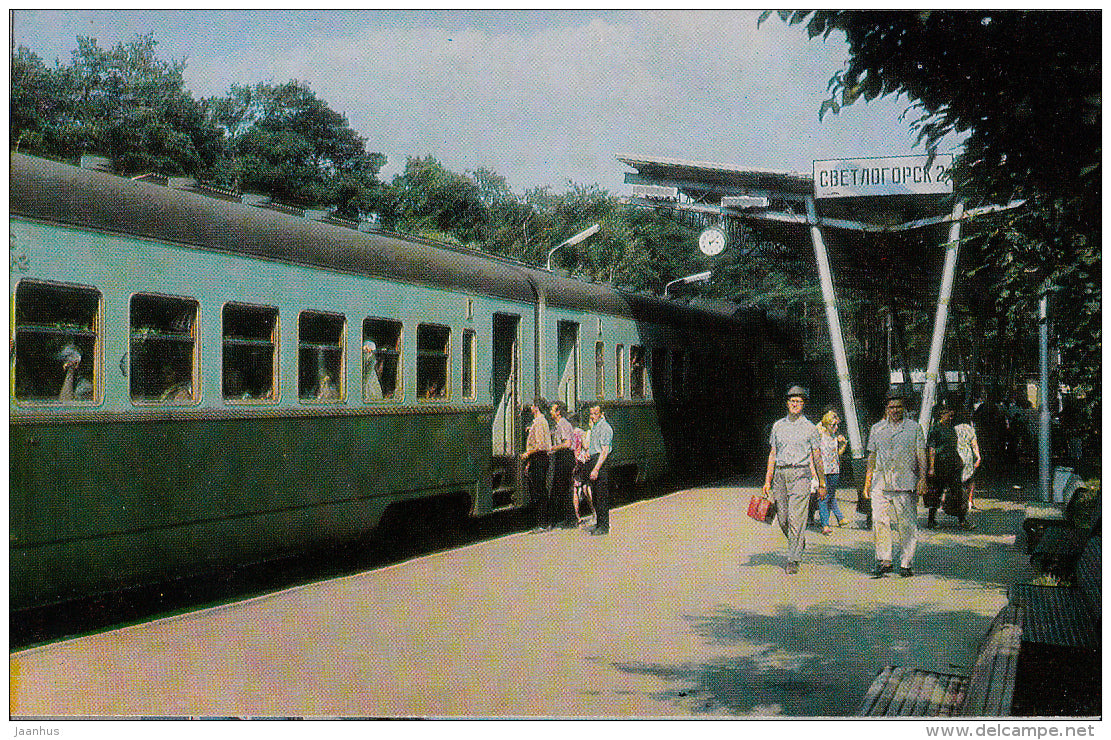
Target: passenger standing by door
<point x="536" y="465"/>
<point x="795" y="445"/>
<point x="895" y="478"/>
<point x="580" y="442"/>
<point x="562" y="461"/>
<point x="601" y="445"/>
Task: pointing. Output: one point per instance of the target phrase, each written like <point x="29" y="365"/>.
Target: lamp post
<point x="698" y="277"/>
<point x="573" y="240"/>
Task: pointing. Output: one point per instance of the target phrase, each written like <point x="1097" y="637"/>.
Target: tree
<point x="125" y="103"/>
<point x="35" y="103"/>
<point x="562" y="215"/>
<point x="288" y="143"/>
<point x="434" y="201"/>
<point x="1025" y="88"/>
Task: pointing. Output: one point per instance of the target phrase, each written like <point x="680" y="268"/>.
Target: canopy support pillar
<point x="1045" y="492"/>
<point x="833" y="317"/>
<point x="948" y="277"/>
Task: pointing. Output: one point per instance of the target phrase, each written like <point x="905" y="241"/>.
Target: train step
<point x="503" y="498"/>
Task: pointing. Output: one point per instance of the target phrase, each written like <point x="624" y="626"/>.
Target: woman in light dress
<point x="969" y="450"/>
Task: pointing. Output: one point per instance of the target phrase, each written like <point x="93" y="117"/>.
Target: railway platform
<point x="683" y="610"/>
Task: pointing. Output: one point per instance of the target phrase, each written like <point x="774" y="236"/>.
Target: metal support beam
<point x="948" y="276"/>
<point x="1044" y="473"/>
<point x="833" y="317"/>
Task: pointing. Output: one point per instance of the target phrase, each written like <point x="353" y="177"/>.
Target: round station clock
<point x="711" y="241"/>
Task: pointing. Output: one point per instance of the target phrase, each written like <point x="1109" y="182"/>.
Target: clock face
<point x="711" y="241"/>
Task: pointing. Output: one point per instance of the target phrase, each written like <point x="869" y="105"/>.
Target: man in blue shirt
<point x="795" y="443"/>
<point x="601" y="444"/>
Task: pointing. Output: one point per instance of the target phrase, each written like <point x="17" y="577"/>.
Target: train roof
<point x="59" y="193"/>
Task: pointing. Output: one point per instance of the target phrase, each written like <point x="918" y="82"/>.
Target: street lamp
<point x="698" y="277"/>
<point x="573" y="240"/>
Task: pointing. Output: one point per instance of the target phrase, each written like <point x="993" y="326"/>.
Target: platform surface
<point x="684" y="609"/>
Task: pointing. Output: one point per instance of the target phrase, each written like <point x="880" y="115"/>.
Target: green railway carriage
<point x="196" y="382"/>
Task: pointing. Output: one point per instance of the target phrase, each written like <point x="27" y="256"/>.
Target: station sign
<point x="879" y="176"/>
<point x="656" y="192"/>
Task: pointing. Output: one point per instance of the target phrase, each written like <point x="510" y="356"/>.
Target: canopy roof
<point x="874" y="242"/>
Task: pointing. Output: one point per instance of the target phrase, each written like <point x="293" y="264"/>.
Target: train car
<point x="197" y="382"/>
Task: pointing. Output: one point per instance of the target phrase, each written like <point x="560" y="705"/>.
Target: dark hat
<point x="798" y="390"/>
<point x="896" y="393"/>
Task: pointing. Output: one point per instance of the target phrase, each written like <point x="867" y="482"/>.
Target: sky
<point x="544" y="98"/>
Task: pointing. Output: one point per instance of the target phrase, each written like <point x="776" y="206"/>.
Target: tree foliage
<point x="125" y="103"/>
<point x="285" y="141"/>
<point x="430" y="200"/>
<point x="1024" y="87"/>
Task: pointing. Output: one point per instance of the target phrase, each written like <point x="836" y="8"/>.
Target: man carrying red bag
<point x="795" y="443"/>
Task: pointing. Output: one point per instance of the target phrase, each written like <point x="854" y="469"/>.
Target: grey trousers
<point x="904" y="506"/>
<point x="791" y="491"/>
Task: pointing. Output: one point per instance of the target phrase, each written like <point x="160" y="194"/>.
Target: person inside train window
<point x="162" y="348"/>
<point x="372" y="372"/>
<point x="250" y="349"/>
<point x="320" y="373"/>
<point x="175" y="388"/>
<point x="321" y="338"/>
<point x="73" y="389"/>
<point x="55" y="343"/>
<point x="431" y="389"/>
<point x="381" y="359"/>
<point x="432" y="361"/>
<point x="636" y="372"/>
<point x="326" y="389"/>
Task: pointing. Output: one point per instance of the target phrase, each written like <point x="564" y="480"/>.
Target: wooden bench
<point x="1060" y="667"/>
<point x="986" y="692"/>
<point x="1062" y="616"/>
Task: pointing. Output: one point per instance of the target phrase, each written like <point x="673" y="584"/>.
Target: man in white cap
<point x="795" y="443"/>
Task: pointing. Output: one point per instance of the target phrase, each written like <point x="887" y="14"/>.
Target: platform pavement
<point x="682" y="610"/>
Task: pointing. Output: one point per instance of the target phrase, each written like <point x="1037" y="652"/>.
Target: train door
<point x="504" y="382"/>
<point x="567" y="345"/>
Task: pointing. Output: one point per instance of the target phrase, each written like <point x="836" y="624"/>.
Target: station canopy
<point x="890" y="242"/>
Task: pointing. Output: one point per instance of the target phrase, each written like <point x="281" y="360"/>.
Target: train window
<point x="636" y="372"/>
<point x="600" y="369"/>
<point x="57" y="343"/>
<point x="619" y="371"/>
<point x="320" y="346"/>
<point x="381" y="359"/>
<point x="163" y="349"/>
<point x="659" y="372"/>
<point x="470" y="343"/>
<point x="250" y="353"/>
<point x="432" y="361"/>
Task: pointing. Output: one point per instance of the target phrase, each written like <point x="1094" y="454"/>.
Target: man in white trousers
<point x="895" y="478"/>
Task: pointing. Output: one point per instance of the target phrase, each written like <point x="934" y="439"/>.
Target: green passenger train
<point x="198" y="382"/>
